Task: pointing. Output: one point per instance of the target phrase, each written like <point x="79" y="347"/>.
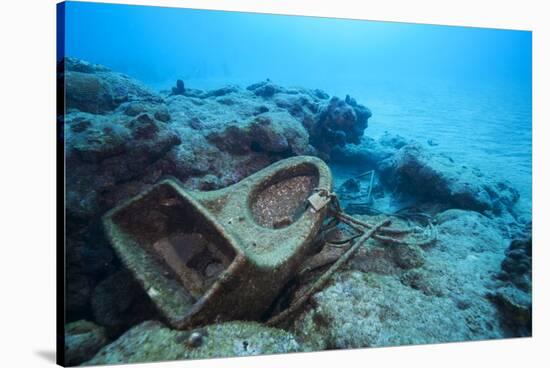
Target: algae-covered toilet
<point x="204" y="257"/>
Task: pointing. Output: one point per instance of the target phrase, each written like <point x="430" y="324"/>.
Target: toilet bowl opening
<point x="172" y="230"/>
<point x="282" y="199"/>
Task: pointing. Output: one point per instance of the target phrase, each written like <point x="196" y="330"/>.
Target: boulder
<point x="367" y="154"/>
<point x="516" y="267"/>
<point x="367" y="310"/>
<point x="389" y="296"/>
<point x="118" y="302"/>
<point x="264" y="89"/>
<point x="268" y="132"/>
<point x="513" y="294"/>
<point x="435" y="177"/>
<point x="87" y="260"/>
<point x="98" y="90"/>
<point x="151" y="341"/>
<point x="339" y="122"/>
<point x="83" y="339"/>
<point x="103" y="151"/>
<point x="516" y="309"/>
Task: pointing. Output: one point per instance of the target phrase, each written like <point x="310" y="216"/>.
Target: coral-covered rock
<point x="364" y="310"/>
<point x="103" y="151"/>
<point x="517" y="265"/>
<point x="151" y="341"/>
<point x="268" y="132"/>
<point x="408" y="256"/>
<point x="96" y="89"/>
<point x="513" y="294"/>
<point x="438" y="178"/>
<point x="264" y="89"/>
<point x="338" y="123"/>
<point x="376" y="301"/>
<point x="367" y="154"/>
<point x="83" y="339"/>
<point x="516" y="309"/>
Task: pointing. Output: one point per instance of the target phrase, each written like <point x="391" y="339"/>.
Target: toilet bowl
<point x="206" y="257"/>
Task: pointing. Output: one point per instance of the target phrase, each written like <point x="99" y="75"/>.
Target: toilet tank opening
<point x="282" y="199"/>
<point x="186" y="244"/>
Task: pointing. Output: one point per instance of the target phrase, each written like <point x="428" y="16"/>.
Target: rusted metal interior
<point x="178" y="236"/>
<point x="282" y="200"/>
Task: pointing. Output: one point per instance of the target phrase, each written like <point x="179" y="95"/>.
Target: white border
<point x="27" y="205"/>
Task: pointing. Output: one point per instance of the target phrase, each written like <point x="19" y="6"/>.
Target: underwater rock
<point x="100" y="141"/>
<point x="338" y="123"/>
<point x="83" y="339"/>
<point x="431" y="176"/>
<point x="96" y="89"/>
<point x="301" y="105"/>
<point x="179" y="89"/>
<point x="364" y="310"/>
<point x="408" y="256"/>
<point x="88" y="258"/>
<point x="367" y="154"/>
<point x="162" y="114"/>
<point x="135" y="108"/>
<point x="112" y="149"/>
<point x="269" y="132"/>
<point x="421" y="280"/>
<point x="517" y="265"/>
<point x="471" y="232"/>
<point x="513" y="295"/>
<point x="229" y="131"/>
<point x="394" y="141"/>
<point x="151" y="341"/>
<point x="376" y="259"/>
<point x="320" y="94"/>
<point x="83" y="66"/>
<point x="118" y="302"/>
<point x="219" y="92"/>
<point x="376" y="302"/>
<point x="387" y="259"/>
<point x="516" y="309"/>
<point x="238" y="132"/>
<point x="264" y="89"/>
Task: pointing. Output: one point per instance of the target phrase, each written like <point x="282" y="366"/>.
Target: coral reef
<point x="340" y="122"/>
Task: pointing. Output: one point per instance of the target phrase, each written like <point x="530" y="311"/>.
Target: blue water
<point x="466" y="89"/>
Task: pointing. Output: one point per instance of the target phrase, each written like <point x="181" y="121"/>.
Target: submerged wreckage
<point x="205" y="257"/>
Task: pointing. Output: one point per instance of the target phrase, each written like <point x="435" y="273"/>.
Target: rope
<point x="325" y="277"/>
<point x="365" y="230"/>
